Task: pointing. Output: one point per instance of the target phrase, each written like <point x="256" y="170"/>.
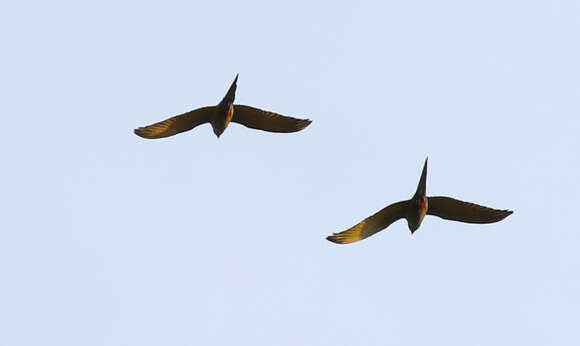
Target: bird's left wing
<point x="372" y="224"/>
<point x="174" y="125"/>
<point x="267" y="121"/>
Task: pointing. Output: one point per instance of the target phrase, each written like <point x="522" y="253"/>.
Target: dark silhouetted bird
<point x="220" y="116"/>
<point x="415" y="209"/>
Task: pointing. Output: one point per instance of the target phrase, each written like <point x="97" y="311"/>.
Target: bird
<point x="415" y="209"/>
<point x="220" y="116"/>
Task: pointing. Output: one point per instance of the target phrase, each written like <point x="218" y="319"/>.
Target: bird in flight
<point x="220" y="116"/>
<point x="415" y="209"/>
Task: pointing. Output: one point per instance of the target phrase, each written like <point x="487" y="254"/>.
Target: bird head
<point x="218" y="127"/>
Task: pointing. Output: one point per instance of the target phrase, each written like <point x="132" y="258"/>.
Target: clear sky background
<point x="110" y="239"/>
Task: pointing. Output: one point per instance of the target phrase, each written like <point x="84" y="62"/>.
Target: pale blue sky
<point x="110" y="239"/>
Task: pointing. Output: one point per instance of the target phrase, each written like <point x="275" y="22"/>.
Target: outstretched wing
<point x="176" y="124"/>
<point x="371" y="224"/>
<point x="452" y="209"/>
<point x="268" y="121"/>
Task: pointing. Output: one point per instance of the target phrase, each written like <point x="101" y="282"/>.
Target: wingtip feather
<point x="507" y="213"/>
<point x="334" y="239"/>
<point x="139" y="132"/>
<point x="304" y="123"/>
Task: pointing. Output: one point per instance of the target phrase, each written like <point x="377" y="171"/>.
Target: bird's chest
<point x="423" y="209"/>
<point x="415" y="215"/>
<point x="221" y="118"/>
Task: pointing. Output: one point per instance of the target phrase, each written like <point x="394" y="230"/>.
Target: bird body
<point x="220" y="116"/>
<point x="415" y="209"/>
<point x="224" y="111"/>
<point x="219" y="122"/>
<point x="415" y="214"/>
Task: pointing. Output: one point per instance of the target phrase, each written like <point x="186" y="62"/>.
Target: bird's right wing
<point x="176" y="124"/>
<point x="267" y="121"/>
<point x="371" y="224"/>
<point x="453" y="209"/>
